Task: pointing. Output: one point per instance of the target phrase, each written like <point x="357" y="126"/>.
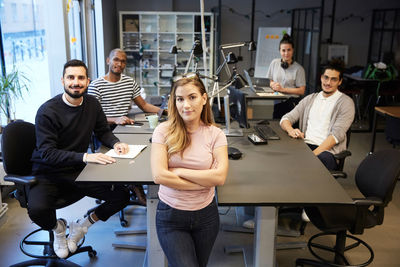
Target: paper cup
<point x="153" y="121"/>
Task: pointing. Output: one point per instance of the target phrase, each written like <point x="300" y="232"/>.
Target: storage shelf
<point x="153" y="34"/>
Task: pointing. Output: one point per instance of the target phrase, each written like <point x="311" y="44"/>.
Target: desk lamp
<point x="195" y="53"/>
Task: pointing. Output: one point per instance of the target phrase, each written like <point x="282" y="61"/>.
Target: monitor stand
<point x="228" y="130"/>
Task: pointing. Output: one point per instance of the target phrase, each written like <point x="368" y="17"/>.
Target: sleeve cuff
<point x="84" y="158"/>
<point x="283" y="119"/>
<point x="160" y="112"/>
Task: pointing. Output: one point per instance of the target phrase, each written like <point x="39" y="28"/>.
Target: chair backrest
<point x="377" y="174"/>
<point x="17" y="143"/>
<point x="392" y="130"/>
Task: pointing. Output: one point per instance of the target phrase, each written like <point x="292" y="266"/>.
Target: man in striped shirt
<point x="116" y="90"/>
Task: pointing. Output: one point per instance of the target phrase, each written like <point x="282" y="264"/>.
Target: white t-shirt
<point x="320" y="118"/>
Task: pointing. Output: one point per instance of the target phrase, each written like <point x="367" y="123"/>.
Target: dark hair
<point x="286" y="39"/>
<point x="336" y="65"/>
<point x="114" y="51"/>
<point x="75" y="63"/>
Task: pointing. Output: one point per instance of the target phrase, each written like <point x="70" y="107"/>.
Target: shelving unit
<point x="147" y="38"/>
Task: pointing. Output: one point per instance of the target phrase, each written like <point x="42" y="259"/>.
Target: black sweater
<point x="63" y="134"/>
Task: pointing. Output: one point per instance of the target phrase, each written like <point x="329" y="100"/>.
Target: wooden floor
<point x="384" y="239"/>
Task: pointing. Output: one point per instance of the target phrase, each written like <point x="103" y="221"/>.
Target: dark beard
<point x="73" y="95"/>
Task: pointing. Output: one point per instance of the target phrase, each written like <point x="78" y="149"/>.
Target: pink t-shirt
<point x="198" y="156"/>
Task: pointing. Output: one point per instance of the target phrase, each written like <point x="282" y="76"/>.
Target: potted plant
<point x="12" y="86"/>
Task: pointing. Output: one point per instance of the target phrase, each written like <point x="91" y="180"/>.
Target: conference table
<point x="392" y="111"/>
<point x="283" y="173"/>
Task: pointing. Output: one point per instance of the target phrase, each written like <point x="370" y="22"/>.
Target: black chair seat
<point x="375" y="177"/>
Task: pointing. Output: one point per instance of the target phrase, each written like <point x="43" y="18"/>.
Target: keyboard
<point x="265" y="132"/>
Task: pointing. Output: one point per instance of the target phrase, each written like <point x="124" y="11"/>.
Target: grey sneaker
<point x="76" y="233"/>
<point x="60" y="241"/>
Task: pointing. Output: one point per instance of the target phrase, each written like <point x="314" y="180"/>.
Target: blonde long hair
<point x="178" y="138"/>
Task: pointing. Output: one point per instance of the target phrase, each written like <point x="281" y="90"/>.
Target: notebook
<point x="134" y="150"/>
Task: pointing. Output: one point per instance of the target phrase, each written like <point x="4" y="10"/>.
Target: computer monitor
<point x="238" y="106"/>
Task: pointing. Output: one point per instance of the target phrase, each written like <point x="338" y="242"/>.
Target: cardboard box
<point x="131" y="25"/>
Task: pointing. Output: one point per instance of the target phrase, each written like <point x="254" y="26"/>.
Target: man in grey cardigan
<point x="323" y="117"/>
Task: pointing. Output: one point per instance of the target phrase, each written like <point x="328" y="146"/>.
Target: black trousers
<point x="326" y="158"/>
<point x="46" y="196"/>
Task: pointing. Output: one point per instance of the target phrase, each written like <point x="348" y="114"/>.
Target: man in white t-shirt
<point x="324" y="118"/>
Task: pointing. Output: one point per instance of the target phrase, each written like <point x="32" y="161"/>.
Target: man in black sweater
<point x="64" y="125"/>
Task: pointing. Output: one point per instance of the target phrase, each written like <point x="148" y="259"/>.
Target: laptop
<point x="261" y="81"/>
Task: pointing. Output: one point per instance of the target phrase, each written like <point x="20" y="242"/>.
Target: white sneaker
<point x="304" y="216"/>
<point x="249" y="224"/>
<point x="76" y="233"/>
<point x="60" y="241"/>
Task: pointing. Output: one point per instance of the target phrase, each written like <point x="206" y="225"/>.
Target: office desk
<point x="131" y="129"/>
<point x="138" y="172"/>
<point x="283" y="173"/>
<point x="253" y="96"/>
<point x="393" y="111"/>
<point x="365" y="89"/>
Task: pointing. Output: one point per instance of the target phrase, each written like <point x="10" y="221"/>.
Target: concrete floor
<point x="384" y="239"/>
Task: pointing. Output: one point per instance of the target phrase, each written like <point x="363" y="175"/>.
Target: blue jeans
<point x="187" y="237"/>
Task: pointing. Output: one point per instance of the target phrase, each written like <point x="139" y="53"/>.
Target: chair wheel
<point x="92" y="253"/>
<point x="124" y="223"/>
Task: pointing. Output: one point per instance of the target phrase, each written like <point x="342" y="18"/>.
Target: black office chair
<point x="341" y="157"/>
<point x="376" y="177"/>
<point x="18" y="142"/>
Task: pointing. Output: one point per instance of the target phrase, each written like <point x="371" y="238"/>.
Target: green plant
<point x="12" y="86"/>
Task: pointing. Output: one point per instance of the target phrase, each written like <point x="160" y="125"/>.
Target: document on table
<point x="270" y="94"/>
<point x="134" y="150"/>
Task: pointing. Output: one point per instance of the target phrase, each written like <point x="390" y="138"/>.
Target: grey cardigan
<point x="341" y="119"/>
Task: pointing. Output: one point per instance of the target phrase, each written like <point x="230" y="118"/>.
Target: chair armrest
<point x="338" y="174"/>
<point x="21" y="180"/>
<point x="368" y="202"/>
<point x="342" y="155"/>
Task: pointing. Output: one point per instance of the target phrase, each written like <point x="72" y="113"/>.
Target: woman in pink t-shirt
<point x="188" y="159"/>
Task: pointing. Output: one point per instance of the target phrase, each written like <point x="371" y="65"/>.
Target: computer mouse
<point x="234" y="153"/>
<point x="263" y="122"/>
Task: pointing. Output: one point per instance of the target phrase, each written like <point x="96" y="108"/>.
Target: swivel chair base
<point x="338" y="250"/>
<point x="48" y="257"/>
<point x="47" y="263"/>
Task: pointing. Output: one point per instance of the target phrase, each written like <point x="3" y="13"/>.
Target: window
<point x="75" y="34"/>
<point x="14" y="12"/>
<point x="25" y="9"/>
<point x="24" y="48"/>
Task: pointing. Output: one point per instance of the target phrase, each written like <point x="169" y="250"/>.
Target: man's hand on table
<point x="99" y="158"/>
<point x="121" y="148"/>
<point x="123" y="120"/>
